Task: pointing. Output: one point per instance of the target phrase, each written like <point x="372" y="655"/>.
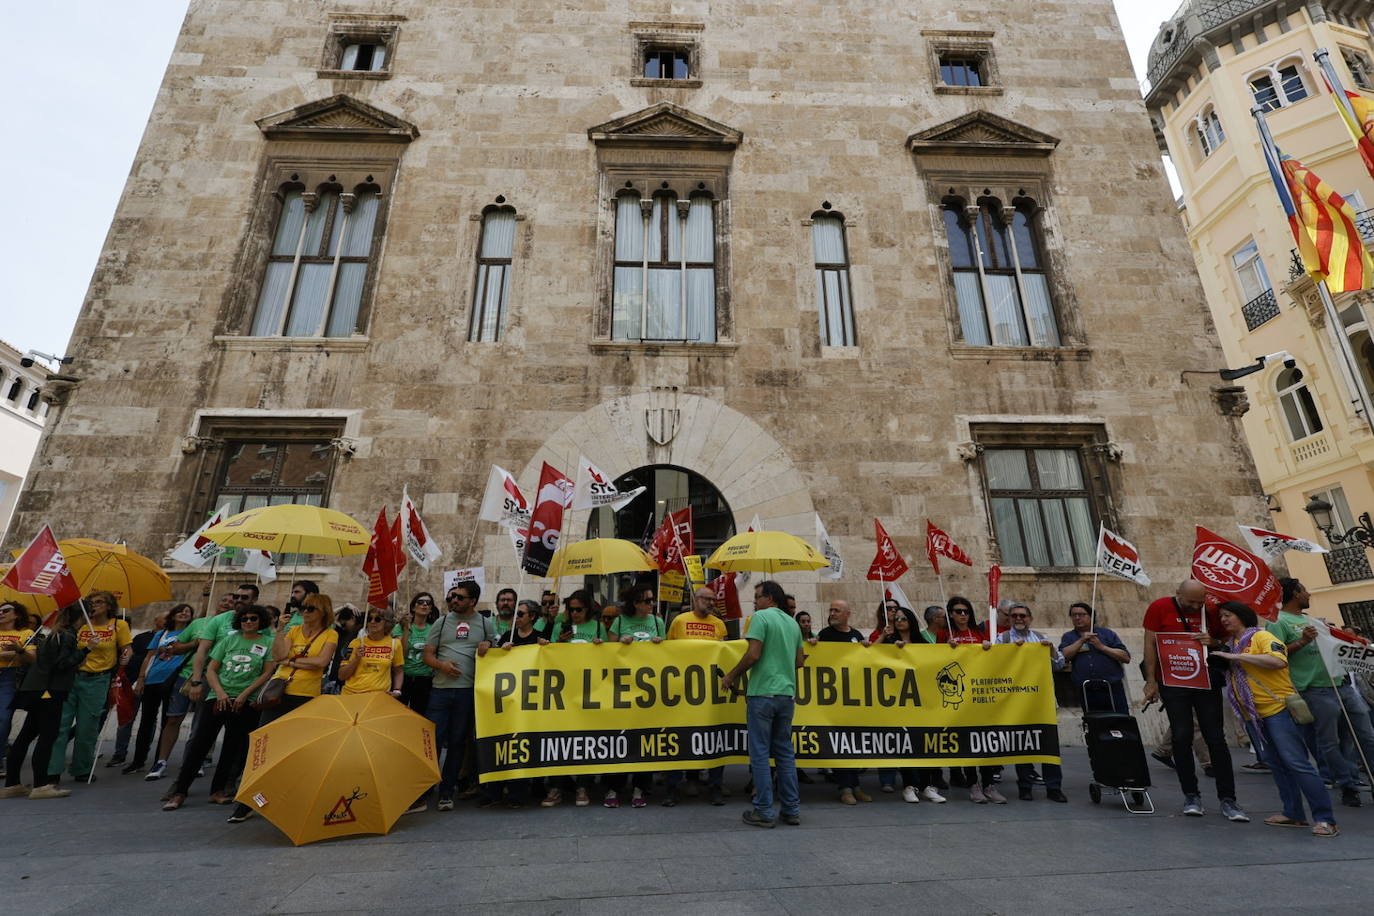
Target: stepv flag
<point x="415" y="535"/>
<point x="380" y="563"/>
<point x="1321" y="221"/>
<point x="828" y="550"/>
<point x="42" y="570"/>
<point x="888" y="564"/>
<point x="939" y="545"/>
<point x="197" y="550"/>
<point x="1118" y="557"/>
<point x="1356" y="112"/>
<point x="1271" y="544"/>
<point x="594" y="489"/>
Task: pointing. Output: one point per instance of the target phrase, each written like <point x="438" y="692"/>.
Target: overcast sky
<point x="90" y="72"/>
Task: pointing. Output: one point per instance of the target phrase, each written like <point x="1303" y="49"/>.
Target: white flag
<point x="828" y="550"/>
<point x="893" y="592"/>
<point x="260" y="564"/>
<point x="594" y="489"/>
<point x="517" y="540"/>
<point x="414" y="535"/>
<point x="197" y="550"/>
<point x="1118" y="557"/>
<point x="1270" y="544"/>
<point x="503" y="502"/>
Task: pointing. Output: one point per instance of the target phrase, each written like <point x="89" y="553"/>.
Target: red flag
<point x="121" y="697"/>
<point x="546" y="522"/>
<point x="994" y="587"/>
<point x="888" y="564"/>
<point x="727" y="596"/>
<point x="672" y="540"/>
<point x="1232" y="574"/>
<point x="42" y="570"/>
<point x="938" y="545"/>
<point x="398" y="552"/>
<point x="380" y="563"/>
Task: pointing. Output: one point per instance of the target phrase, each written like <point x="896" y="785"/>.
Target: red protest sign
<point x="1230" y="573"/>
<point x="1182" y="661"/>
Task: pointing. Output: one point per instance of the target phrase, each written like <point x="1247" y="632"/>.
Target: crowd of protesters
<point x="248" y="664"/>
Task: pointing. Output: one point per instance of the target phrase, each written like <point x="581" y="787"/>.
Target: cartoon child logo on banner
<point x="950" y="680"/>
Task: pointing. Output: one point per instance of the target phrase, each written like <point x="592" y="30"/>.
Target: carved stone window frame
<point x="973" y="43"/>
<point x="678" y="36"/>
<point x="359" y="28"/>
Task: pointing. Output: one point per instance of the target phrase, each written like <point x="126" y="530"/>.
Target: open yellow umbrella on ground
<point x="338" y="766"/>
<point x="292" y="528"/>
<point x="599" y="556"/>
<point x="96" y="565"/>
<point x="766" y="551"/>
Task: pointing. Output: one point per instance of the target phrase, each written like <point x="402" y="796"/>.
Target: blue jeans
<point x="453" y="713"/>
<point x="1279" y="741"/>
<point x="9" y="686"/>
<point x="770" y="734"/>
<point x="1326" y="710"/>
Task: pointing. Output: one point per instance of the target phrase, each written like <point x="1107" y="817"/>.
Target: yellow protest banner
<point x="696" y="573"/>
<point x="670" y="586"/>
<point x="567" y="709"/>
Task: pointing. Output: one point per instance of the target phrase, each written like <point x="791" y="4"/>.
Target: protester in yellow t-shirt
<point x="1256" y="684"/>
<point x="376" y="660"/>
<point x="107" y="637"/>
<point x="303" y="653"/>
<point x="14" y="636"/>
<point x="700" y="622"/>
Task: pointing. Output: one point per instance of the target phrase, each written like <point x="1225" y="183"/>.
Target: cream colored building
<point x="1209" y="65"/>
<point x="22" y="414"/>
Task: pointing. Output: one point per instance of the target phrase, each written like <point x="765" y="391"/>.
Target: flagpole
<point x="1345" y="712"/>
<point x="1333" y="320"/>
<point x="214" y="571"/>
<point x="1097" y="567"/>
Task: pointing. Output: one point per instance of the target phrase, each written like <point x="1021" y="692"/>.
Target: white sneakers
<point x="932" y="796"/>
<point x="157" y="772"/>
<point x="909" y="795"/>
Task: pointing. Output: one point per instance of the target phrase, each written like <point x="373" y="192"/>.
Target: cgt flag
<point x="503" y="502"/>
<point x="546" y="522"/>
<point x="939" y="545"/>
<point x="828" y="550"/>
<point x="594" y="489"/>
<point x="1230" y="573"/>
<point x="380" y="563"/>
<point x="415" y="535"/>
<point x="1270" y="544"/>
<point x="672" y="540"/>
<point x="42" y="570"/>
<point x="887" y="565"/>
<point x="197" y="550"/>
<point x="1118" y="557"/>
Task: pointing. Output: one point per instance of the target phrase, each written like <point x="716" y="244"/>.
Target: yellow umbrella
<point x="338" y="766"/>
<point x="291" y="528"/>
<point x="96" y="565"/>
<point x="766" y="551"/>
<point x="40" y="603"/>
<point x="599" y="556"/>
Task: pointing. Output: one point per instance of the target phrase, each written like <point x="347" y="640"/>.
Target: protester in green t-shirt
<point x="240" y="664"/>
<point x="578" y="625"/>
<point x="772" y="659"/>
<point x="413" y="631"/>
<point x="639" y="623"/>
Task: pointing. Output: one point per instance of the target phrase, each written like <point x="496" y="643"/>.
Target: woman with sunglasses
<point x="638" y="623"/>
<point x="965" y="630"/>
<point x="376" y="659"/>
<point x="524" y="632"/>
<point x="414" y="630"/>
<point x="580" y="624"/>
<point x="240" y="664"/>
<point x="53" y="661"/>
<point x="14" y="638"/>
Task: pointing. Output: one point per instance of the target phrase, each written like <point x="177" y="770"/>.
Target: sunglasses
<point x="375" y="618"/>
<point x="457" y="597"/>
<point x="574" y="608"/>
<point x="522" y="613"/>
<point x="254" y="618"/>
<point x="1016" y="616"/>
<point x="644" y="601"/>
<point x="961" y="610"/>
<point x="423" y="601"/>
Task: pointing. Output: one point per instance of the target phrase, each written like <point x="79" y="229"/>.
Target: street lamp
<point x="1320" y="510"/>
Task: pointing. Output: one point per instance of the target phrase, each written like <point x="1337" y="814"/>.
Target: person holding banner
<point x="50" y="677"/>
<point x="1183" y="615"/>
<point x="579" y="625"/>
<point x="965" y="630"/>
<point x="700" y="622"/>
<point x="451" y="650"/>
<point x="14" y="637"/>
<point x="108" y="637"/>
<point x="638" y="623"/>
<point x="773" y="657"/>
<point x="1019" y="633"/>
<point x="413" y="630"/>
<point x="1329" y="697"/>
<point x="1262" y="696"/>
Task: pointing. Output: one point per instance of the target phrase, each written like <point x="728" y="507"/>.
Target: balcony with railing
<point x="1348" y="564"/>
<point x="1260" y="309"/>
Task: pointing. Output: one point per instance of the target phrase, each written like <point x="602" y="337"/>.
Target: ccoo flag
<point x="888" y="564"/>
<point x="1118" y="557"/>
<point x="939" y="545"/>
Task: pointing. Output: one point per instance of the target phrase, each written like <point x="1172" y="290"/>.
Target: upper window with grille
<point x="360" y="46"/>
<point x="1207" y="131"/>
<point x="1278" y="86"/>
<point x="1000" y="281"/>
<point x="665" y="269"/>
<point x="833" y="292"/>
<point x="317" y="269"/>
<point x="1361" y="70"/>
<point x="491" y="294"/>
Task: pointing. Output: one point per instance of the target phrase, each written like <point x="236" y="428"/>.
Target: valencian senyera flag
<point x="1356" y="112"/>
<point x="1323" y="224"/>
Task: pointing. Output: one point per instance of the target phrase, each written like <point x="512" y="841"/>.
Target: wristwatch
<point x="196" y="683"/>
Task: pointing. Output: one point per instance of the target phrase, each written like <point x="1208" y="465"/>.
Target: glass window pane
<point x="307" y="307"/>
<point x="960" y="242"/>
<point x="361" y="223"/>
<point x="350" y="58"/>
<point x="1081" y="531"/>
<point x="1040" y="311"/>
<point x="245" y="464"/>
<point x="289" y="225"/>
<point x="498" y="234"/>
<point x="629" y="229"/>
<point x="827" y="240"/>
<point x="336" y="227"/>
<point x="314" y="224"/>
<point x="1058" y="469"/>
<point x="1262" y="88"/>
<point x="1341" y="508"/>
<point x="654" y="242"/>
<point x="1057" y="524"/>
<point x="665" y="306"/>
<point x="701" y="304"/>
<point x="348" y="296"/>
<point x="834" y="324"/>
<point x="1296" y="430"/>
<point x="1004" y="311"/>
<point x="1037" y="551"/>
<point x="674" y="221"/>
<point x="1293" y="89"/>
<point x="701" y="231"/>
<point x="1023" y="234"/>
<point x="627" y="302"/>
<point x="1006" y="469"/>
<point x="968" y="292"/>
<point x="271" y="300"/>
<point x="1008" y="532"/>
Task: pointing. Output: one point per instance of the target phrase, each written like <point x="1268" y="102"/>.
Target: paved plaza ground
<point x="110" y="849"/>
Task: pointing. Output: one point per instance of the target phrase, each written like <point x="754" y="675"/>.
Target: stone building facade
<point x="875" y="259"/>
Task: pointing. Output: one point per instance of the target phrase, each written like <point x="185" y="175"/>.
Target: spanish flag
<point x="1323" y="224"/>
<point x="1357" y="112"/>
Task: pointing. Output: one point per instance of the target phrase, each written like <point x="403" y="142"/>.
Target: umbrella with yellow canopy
<point x="767" y="552"/>
<point x="131" y="577"/>
<point x="599" y="556"/>
<point x="292" y="528"/>
<point x="340" y="765"/>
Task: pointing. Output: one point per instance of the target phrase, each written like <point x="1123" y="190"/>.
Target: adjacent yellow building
<point x="1209" y="65"/>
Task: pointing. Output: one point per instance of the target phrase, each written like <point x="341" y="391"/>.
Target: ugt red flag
<point x="1230" y="573"/>
<point x="887" y="565"/>
<point x="672" y="540"/>
<point x="380" y="563"/>
<point x="939" y="545"/>
<point x="546" y="522"/>
<point x="42" y="570"/>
